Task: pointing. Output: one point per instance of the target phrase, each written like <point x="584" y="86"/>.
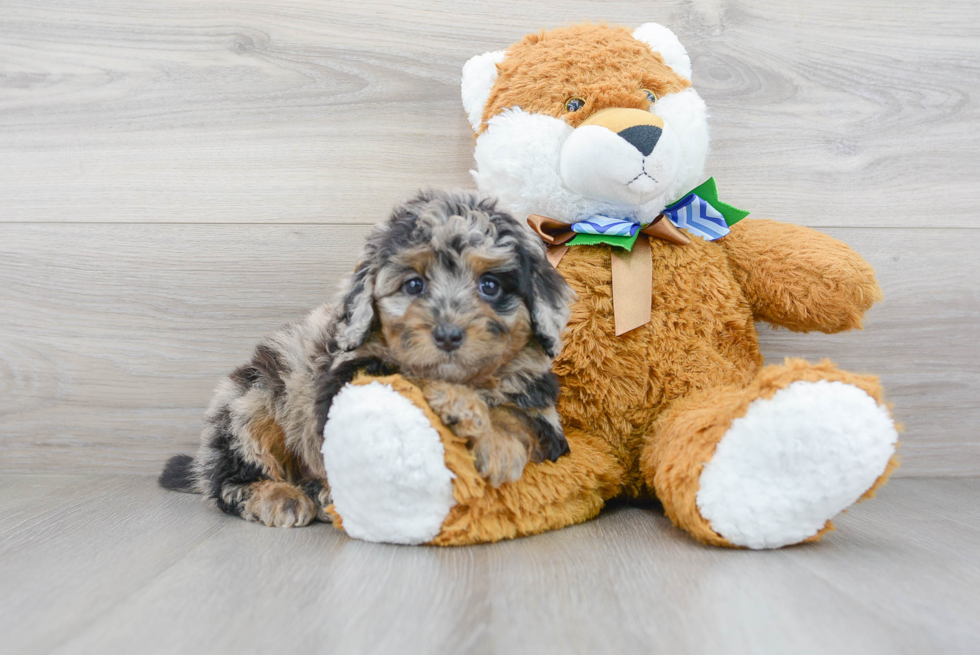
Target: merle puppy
<point x="450" y="292"/>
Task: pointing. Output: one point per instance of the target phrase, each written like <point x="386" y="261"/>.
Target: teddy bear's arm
<point x="799" y="278"/>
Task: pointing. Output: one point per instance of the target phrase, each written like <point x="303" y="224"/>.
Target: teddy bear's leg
<point x="398" y="475"/>
<point x="769" y="464"/>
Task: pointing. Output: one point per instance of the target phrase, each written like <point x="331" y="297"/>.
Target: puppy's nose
<point x="448" y="337"/>
<point x="642" y="137"/>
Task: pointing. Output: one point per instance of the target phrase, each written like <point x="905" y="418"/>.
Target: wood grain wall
<point x="178" y="178"/>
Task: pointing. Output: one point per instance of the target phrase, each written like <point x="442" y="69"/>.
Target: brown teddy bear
<point x="597" y="135"/>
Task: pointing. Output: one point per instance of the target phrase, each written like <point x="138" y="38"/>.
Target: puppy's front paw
<point x="500" y="458"/>
<point x="319" y="492"/>
<point x="459" y="407"/>
<point x="279" y="505"/>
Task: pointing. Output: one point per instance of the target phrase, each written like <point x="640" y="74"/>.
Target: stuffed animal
<point x="597" y="135"/>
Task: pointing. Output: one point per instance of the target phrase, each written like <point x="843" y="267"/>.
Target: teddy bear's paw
<point x="793" y="462"/>
<point x="386" y="466"/>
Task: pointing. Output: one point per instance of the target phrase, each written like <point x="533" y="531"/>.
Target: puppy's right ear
<point x="357" y="304"/>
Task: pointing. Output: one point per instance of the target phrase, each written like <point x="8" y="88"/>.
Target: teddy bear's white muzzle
<point x="631" y="167"/>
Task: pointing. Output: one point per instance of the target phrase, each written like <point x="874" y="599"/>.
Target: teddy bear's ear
<point x="664" y="42"/>
<point x="479" y="74"/>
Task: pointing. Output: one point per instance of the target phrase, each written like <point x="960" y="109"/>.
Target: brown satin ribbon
<point x="632" y="270"/>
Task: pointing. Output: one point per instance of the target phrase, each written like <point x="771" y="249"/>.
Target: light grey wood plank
<point x="914" y="537"/>
<point x="309" y="590"/>
<point x="71" y="548"/>
<point x="899" y="576"/>
<point x="22" y="495"/>
<point x="123" y="333"/>
<point x="114" y="335"/>
<point x="829" y="113"/>
<point x="683" y="598"/>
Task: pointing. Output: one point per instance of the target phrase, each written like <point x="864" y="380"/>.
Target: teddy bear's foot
<point x="780" y="457"/>
<point x="386" y="466"/>
<point x="793" y="462"/>
<point x="397" y="474"/>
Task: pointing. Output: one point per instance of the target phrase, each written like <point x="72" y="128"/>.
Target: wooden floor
<point x="115" y="565"/>
<point x="180" y="177"/>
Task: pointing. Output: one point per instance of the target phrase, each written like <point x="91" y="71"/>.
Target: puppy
<point x="452" y="293"/>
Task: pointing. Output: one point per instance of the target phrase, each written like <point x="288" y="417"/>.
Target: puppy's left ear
<point x="549" y="300"/>
<point x="357" y="303"/>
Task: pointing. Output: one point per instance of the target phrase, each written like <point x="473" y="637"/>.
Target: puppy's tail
<point x="177" y="474"/>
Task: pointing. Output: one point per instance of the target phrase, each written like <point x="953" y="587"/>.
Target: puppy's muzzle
<point x="448" y="336"/>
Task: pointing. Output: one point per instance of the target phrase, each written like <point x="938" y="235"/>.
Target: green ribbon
<point x="708" y="192"/>
<point x="596" y="239"/>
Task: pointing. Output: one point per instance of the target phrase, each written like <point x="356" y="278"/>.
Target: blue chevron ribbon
<point x="702" y="213"/>
<point x="694" y="214"/>
<point x="603" y="225"/>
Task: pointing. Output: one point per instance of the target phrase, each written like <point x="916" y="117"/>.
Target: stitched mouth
<point x="642" y="174"/>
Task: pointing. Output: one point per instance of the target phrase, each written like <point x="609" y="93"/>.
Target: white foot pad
<point x="386" y="466"/>
<point x="793" y="462"/>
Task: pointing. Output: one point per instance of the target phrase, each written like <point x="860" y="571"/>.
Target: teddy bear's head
<point x="587" y="120"/>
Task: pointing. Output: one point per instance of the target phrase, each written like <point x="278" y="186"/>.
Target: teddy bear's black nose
<point x="642" y="137"/>
<point x="448" y="337"/>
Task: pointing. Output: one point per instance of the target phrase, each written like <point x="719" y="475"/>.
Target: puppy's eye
<point x="490" y="287"/>
<point x="651" y="96"/>
<point x="414" y="286"/>
<point x="574" y="104"/>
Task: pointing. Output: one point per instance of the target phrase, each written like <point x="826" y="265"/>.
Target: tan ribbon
<point x="632" y="270"/>
<point x="632" y="285"/>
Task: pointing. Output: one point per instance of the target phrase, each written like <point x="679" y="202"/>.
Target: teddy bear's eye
<point x="651" y="96"/>
<point x="574" y="104"/>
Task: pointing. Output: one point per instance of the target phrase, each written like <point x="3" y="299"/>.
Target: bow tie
<point x="699" y="212"/>
<point x="692" y="213"/>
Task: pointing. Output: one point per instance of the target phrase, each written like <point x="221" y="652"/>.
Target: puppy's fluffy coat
<point x="450" y="292"/>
